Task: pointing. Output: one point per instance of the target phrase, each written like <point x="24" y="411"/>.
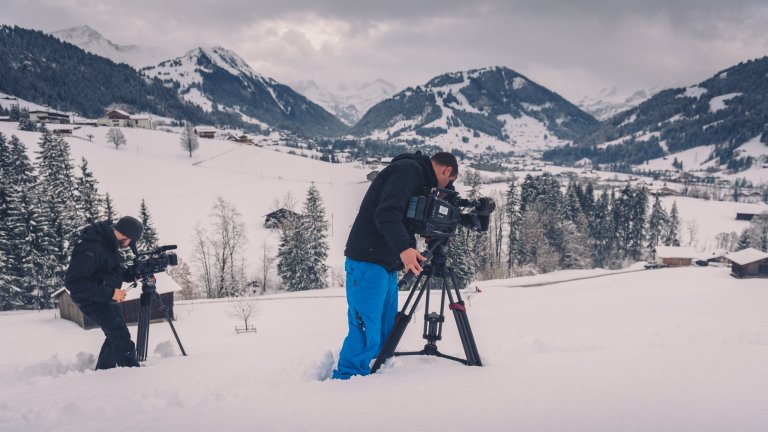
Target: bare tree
<point x="182" y="276"/>
<point x="692" y="229"/>
<point x="204" y="260"/>
<point x="286" y="202"/>
<point x="268" y="259"/>
<point x="189" y="139"/>
<point x="244" y="308"/>
<point x="116" y="137"/>
<point x="228" y="240"/>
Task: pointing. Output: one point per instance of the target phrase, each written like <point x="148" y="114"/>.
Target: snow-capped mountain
<point x="723" y="117"/>
<point x="92" y="41"/>
<point x="348" y="102"/>
<point x="217" y="79"/>
<point x="483" y="109"/>
<point x="610" y="101"/>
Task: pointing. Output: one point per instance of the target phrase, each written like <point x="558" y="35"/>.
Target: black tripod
<point x="149" y="292"/>
<point x="433" y="322"/>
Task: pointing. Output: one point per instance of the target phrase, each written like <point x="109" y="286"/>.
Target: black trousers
<point x="118" y="348"/>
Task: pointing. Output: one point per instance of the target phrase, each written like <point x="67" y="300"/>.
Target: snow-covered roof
<point x="675" y="252"/>
<point x="746" y="256"/>
<point x="205" y="129"/>
<point x="121" y="112"/>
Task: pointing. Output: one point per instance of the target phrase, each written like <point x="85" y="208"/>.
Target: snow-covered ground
<point x="662" y="350"/>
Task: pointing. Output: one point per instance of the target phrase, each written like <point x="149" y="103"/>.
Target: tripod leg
<point x="142" y="336"/>
<point x="169" y="318"/>
<point x="401" y="322"/>
<point x="462" y="322"/>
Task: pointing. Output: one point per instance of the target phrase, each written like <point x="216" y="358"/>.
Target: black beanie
<point x="130" y="227"/>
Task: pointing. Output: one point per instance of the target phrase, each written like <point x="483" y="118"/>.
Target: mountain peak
<point x="94" y="42"/>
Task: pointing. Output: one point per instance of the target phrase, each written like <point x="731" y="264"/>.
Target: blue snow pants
<point x="372" y="306"/>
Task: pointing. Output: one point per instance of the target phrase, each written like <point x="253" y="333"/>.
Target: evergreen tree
<point x="743" y="241"/>
<point x="602" y="232"/>
<point x="672" y="237"/>
<point x="477" y="242"/>
<point x="188" y="139"/>
<point x="304" y="248"/>
<point x="109" y="209"/>
<point x="460" y="258"/>
<point x="149" y="238"/>
<point x="757" y="232"/>
<point x="31" y="265"/>
<point x="638" y="217"/>
<point x="8" y="289"/>
<point x="515" y="222"/>
<point x="657" y="224"/>
<point x="290" y="254"/>
<point x="89" y="201"/>
<point x="57" y="192"/>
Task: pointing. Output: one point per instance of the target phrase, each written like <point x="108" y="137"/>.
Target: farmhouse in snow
<point x="748" y="263"/>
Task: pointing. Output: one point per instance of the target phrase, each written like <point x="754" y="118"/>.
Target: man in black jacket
<point x="94" y="278"/>
<point x="379" y="245"/>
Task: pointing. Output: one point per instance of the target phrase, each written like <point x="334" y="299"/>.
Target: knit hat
<point x="130" y="227"/>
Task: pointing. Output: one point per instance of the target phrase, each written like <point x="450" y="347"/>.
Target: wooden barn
<point x="748" y="263"/>
<point x="674" y="256"/>
<point x="166" y="287"/>
<point x="280" y="217"/>
<point x="205" y="131"/>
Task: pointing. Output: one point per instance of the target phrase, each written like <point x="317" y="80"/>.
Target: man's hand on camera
<point x="119" y="295"/>
<point x="411" y="259"/>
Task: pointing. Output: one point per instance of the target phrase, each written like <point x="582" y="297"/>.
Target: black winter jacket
<point x="95" y="269"/>
<point x="379" y="234"/>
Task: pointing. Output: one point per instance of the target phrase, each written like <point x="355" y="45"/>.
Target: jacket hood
<point x="100" y="232"/>
<point x="426" y="166"/>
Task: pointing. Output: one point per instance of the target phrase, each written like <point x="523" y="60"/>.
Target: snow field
<point x="663" y="350"/>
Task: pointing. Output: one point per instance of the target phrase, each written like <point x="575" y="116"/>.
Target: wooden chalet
<point x="120" y="118"/>
<point x="205" y="131"/>
<point x="748" y="263"/>
<point x="40" y="116"/>
<point x="166" y="287"/>
<point x="674" y="256"/>
<point x="278" y="218"/>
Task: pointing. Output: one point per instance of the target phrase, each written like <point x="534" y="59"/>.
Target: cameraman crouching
<point x="379" y="245"/>
<point x="94" y="278"/>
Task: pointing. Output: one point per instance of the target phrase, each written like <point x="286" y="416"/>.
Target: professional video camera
<point x="150" y="262"/>
<point x="436" y="215"/>
<point x="439" y="213"/>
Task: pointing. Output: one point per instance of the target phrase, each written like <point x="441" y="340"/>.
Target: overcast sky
<point x="572" y="47"/>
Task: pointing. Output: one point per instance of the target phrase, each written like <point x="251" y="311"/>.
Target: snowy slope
<point x="493" y="108"/>
<point x="217" y="79"/>
<point x="665" y="350"/>
<point x="92" y="41"/>
<point x="701" y="160"/>
<point x="348" y="102"/>
<point x="179" y="194"/>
